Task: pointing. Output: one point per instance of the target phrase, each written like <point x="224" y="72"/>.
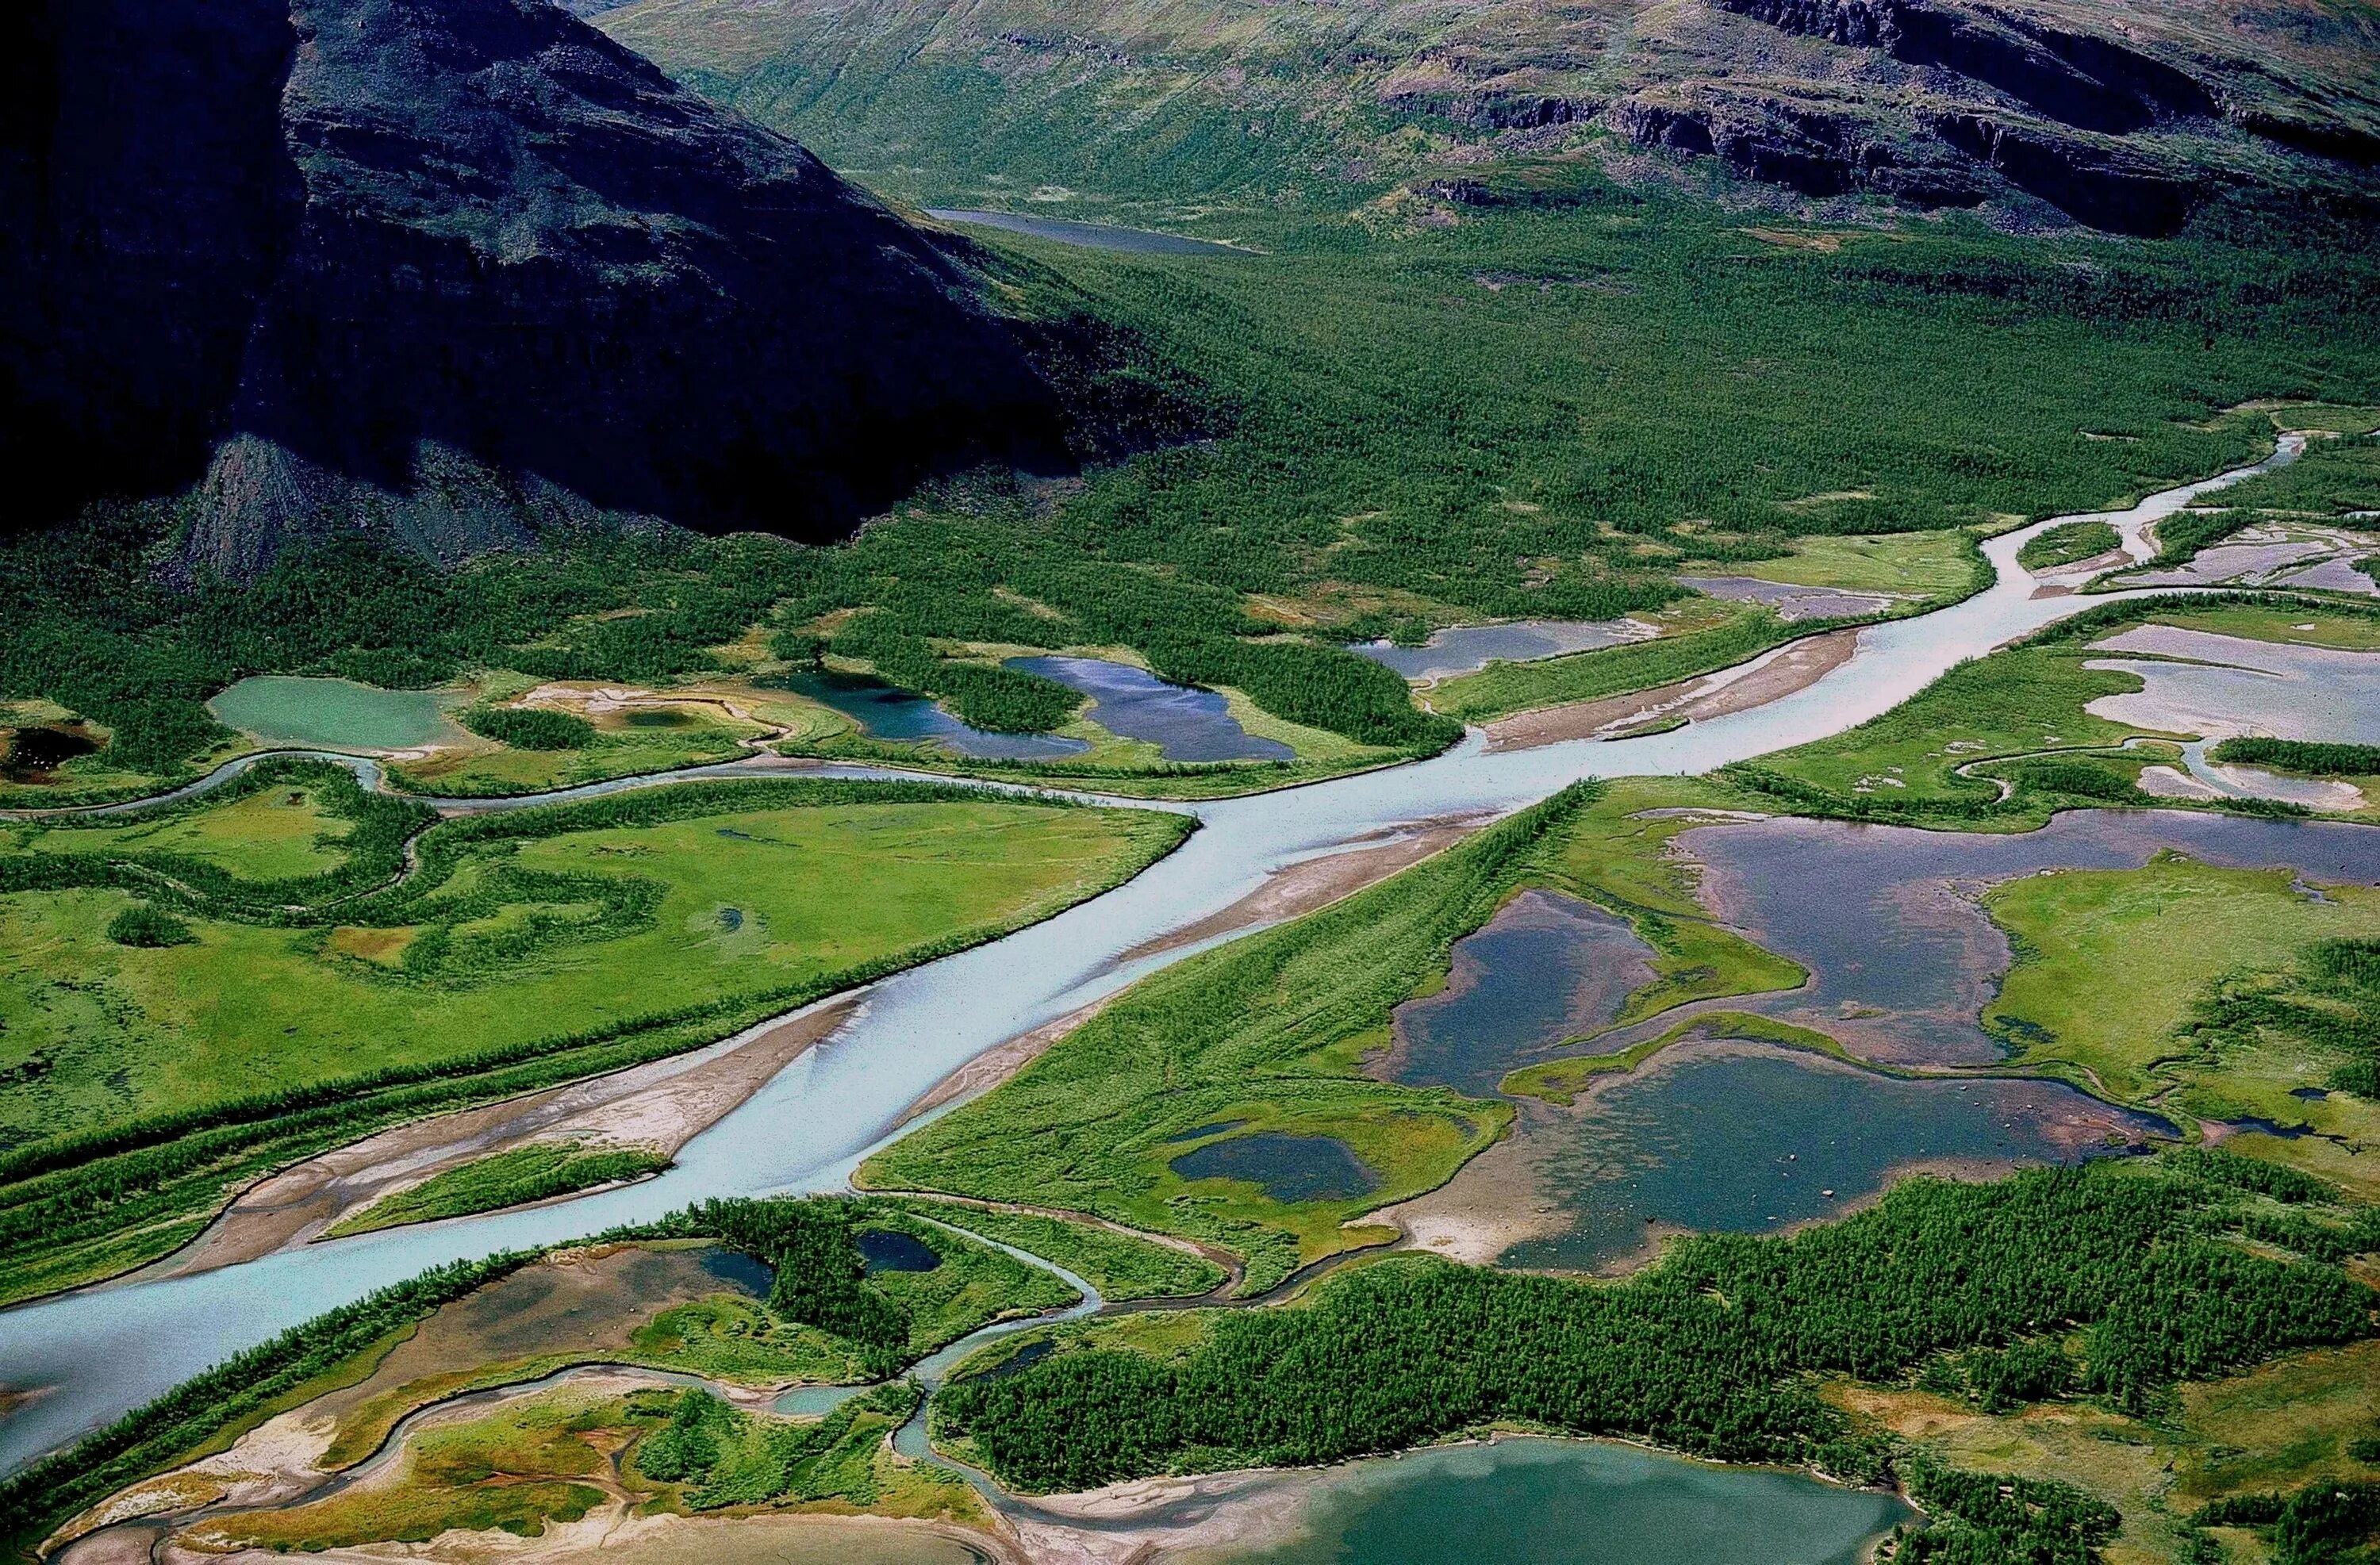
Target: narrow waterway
<point x="92" y="1355"/>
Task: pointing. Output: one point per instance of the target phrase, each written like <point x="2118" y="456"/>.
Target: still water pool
<point x="1561" y="1502"/>
<point x="336" y="714"/>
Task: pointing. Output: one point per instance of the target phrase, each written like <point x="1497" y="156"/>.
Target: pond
<point x="1901" y="957"/>
<point x="333" y="714"/>
<point x="1289" y="1167"/>
<point x="2230" y="684"/>
<point x="889" y="1249"/>
<point x="1752" y="1138"/>
<point x="1090" y="236"/>
<point x="1563" y="1502"/>
<point x="1790" y="601"/>
<point x="745" y="1274"/>
<point x="1134" y="703"/>
<point x="33" y="754"/>
<point x="898" y="716"/>
<point x="1546" y="968"/>
<point x="1466" y="649"/>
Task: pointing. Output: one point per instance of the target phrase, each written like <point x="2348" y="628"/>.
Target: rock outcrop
<point x="315" y="255"/>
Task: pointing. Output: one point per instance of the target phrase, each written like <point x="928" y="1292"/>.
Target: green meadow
<point x="140" y="1081"/>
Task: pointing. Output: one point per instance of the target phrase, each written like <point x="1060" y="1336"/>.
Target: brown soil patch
<point x="664" y="1105"/>
<point x="383" y="947"/>
<point x="1795" y="666"/>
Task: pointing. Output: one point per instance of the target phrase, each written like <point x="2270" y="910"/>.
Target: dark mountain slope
<point x="455" y="267"/>
<point x="2125" y="115"/>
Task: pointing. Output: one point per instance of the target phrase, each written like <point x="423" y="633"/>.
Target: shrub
<point x="149" y="928"/>
<point x="530" y="728"/>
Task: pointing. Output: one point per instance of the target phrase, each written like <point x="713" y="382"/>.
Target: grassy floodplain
<point x="305" y="1011"/>
<point x="2017" y="716"/>
<point x="506" y="1179"/>
<point x="1095" y="1123"/>
<point x="646" y="1300"/>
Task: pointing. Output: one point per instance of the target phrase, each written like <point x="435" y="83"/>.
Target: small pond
<point x="1790" y="601"/>
<point x="333" y="714"/>
<point x="1546" y="968"/>
<point x="33" y="754"/>
<point x="889" y="1249"/>
<point x="1751" y="1138"/>
<point x="1090" y="236"/>
<point x="1564" y="1502"/>
<point x="1289" y="1167"/>
<point x="2232" y="684"/>
<point x="1187" y="724"/>
<point x="745" y="1274"/>
<point x="899" y="717"/>
<point x="1466" y="649"/>
<point x="1902" y="959"/>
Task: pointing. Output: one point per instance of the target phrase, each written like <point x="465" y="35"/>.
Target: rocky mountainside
<point x="456" y="269"/>
<point x="2122" y="116"/>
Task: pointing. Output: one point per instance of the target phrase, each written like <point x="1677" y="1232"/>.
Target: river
<point x="96" y="1353"/>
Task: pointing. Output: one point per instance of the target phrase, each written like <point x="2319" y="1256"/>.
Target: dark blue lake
<point x="896" y="716"/>
<point x="1134" y="703"/>
<point x="1290" y="1167"/>
<point x="889" y="1249"/>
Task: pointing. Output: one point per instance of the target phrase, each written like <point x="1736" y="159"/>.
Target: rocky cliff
<point x="457" y="268"/>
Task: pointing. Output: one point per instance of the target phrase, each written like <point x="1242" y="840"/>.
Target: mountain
<point x="456" y="269"/>
<point x="2123" y="117"/>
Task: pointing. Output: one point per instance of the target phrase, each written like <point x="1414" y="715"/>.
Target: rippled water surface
<point x="1466" y="649"/>
<point x="1186" y="724"/>
<point x="1745" y="1139"/>
<point x="1546" y="968"/>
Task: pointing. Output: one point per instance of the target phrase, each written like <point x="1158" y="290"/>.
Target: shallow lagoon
<point x="1560" y="1503"/>
<point x="1466" y="649"/>
<point x="1290" y="1167"/>
<point x="1186" y="724"/>
<point x="1791" y="602"/>
<point x="2234" y="686"/>
<point x="1546" y="968"/>
<point x="899" y="717"/>
<point x="1750" y="1138"/>
<point x="1901" y="957"/>
<point x="336" y="714"/>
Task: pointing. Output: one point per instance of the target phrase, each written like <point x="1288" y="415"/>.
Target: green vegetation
<point x="1271" y="1033"/>
<point x="2214" y="967"/>
<point x="1935" y="566"/>
<point x="1386" y="444"/>
<point x="530" y="728"/>
<point x="1121" y="1267"/>
<point x="1710" y="1351"/>
<point x="141" y="1086"/>
<point x="1979" y="1517"/>
<point x="1003" y="700"/>
<point x="516" y="1469"/>
<point x="718" y="1456"/>
<point x="1501" y="688"/>
<point x="2067" y="544"/>
<point x="2017" y="716"/>
<point x="2335" y="476"/>
<point x="2325" y="1523"/>
<point x="505" y="1179"/>
<point x="148" y="928"/>
<point x="229" y="1396"/>
<point x="2297" y="755"/>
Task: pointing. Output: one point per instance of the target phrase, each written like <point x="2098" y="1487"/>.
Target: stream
<point x="96" y="1353"/>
